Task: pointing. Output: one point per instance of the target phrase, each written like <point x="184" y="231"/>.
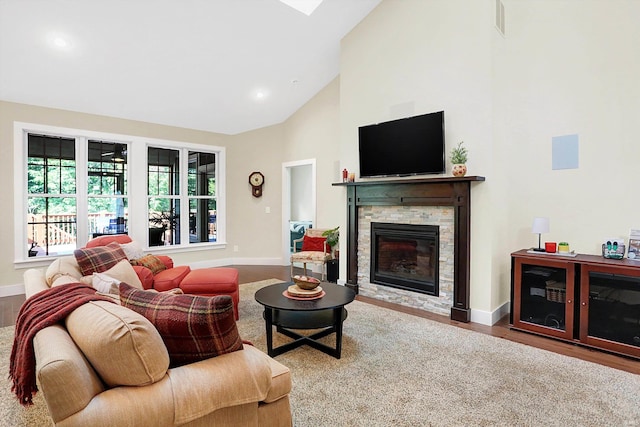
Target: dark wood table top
<point x="335" y="296"/>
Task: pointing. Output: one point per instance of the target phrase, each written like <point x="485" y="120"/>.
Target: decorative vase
<point x="459" y="170"/>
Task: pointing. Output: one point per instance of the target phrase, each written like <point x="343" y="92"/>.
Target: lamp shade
<point x="540" y="225"/>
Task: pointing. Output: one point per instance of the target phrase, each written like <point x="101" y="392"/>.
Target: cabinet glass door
<point x="543" y="299"/>
<point x="611" y="305"/>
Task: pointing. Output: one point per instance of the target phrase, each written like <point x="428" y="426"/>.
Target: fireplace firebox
<point x="405" y="256"/>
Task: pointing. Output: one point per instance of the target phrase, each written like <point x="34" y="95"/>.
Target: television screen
<point x="410" y="146"/>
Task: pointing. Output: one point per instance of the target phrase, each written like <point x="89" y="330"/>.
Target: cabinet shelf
<point x="586" y="299"/>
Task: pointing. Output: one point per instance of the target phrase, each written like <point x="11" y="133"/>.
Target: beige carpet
<point x="401" y="370"/>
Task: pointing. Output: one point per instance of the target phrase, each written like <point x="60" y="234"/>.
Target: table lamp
<point x="540" y="225"/>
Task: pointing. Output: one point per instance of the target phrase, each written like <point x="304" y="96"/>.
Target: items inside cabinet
<point x="614" y="307"/>
<point x="543" y="296"/>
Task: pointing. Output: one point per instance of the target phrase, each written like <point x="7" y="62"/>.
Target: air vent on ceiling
<point x="500" y="26"/>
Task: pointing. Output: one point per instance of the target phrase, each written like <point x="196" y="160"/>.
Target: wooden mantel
<point x="440" y="191"/>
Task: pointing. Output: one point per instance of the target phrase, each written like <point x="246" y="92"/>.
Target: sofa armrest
<point x="231" y="379"/>
<point x="34" y="282"/>
<point x="166" y="260"/>
<point x="65" y="377"/>
<point x="145" y="275"/>
<point x="150" y="405"/>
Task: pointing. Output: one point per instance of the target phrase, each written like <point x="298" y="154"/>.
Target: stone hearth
<point x="441" y="216"/>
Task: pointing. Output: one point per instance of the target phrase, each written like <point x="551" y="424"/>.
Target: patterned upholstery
<point x="314" y="257"/>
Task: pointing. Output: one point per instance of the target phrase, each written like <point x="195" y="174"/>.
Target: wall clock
<point x="256" y="179"/>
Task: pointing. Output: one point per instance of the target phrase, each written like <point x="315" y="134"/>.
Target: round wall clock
<point x="256" y="179"/>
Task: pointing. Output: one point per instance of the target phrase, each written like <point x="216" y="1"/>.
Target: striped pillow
<point x="99" y="259"/>
<point x="192" y="327"/>
<point x="152" y="262"/>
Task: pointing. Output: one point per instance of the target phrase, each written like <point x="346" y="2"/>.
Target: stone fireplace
<point x="429" y="269"/>
<point x="405" y="256"/>
<point x="443" y="202"/>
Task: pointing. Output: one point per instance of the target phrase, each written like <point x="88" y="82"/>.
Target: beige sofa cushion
<point x="122" y="346"/>
<point x="64" y="266"/>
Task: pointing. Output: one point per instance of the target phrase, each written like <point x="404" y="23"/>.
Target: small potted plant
<point x="333" y="237"/>
<point x="459" y="160"/>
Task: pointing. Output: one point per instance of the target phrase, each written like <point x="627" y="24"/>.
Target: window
<point x="202" y="197"/>
<point x="51" y="194"/>
<point x="164" y="203"/>
<point x="166" y="197"/>
<point x="78" y="185"/>
<point x="107" y="199"/>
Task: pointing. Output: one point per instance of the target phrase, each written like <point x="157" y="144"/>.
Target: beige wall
<point x="413" y="57"/>
<point x="12" y="112"/>
<point x="313" y="132"/>
<point x="253" y="236"/>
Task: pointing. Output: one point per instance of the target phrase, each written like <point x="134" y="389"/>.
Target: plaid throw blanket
<point x="41" y="310"/>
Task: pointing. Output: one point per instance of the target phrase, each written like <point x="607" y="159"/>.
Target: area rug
<point x="401" y="370"/>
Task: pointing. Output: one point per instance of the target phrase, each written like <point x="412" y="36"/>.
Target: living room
<point x="562" y="68"/>
<point x="554" y="73"/>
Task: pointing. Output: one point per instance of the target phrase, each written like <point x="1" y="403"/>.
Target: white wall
<point x="301" y="203"/>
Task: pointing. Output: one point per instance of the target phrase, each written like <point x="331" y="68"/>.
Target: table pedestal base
<point x="329" y="321"/>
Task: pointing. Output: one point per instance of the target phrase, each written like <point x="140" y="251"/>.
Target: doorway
<point x="298" y="202"/>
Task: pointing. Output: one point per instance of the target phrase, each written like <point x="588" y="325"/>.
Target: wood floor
<point x="9" y="307"/>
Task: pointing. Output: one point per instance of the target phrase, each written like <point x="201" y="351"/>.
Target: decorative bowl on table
<point x="307" y="283"/>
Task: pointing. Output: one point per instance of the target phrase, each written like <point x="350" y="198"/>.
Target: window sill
<point x="37" y="262"/>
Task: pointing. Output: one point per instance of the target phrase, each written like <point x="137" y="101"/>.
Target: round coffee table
<point x="326" y="313"/>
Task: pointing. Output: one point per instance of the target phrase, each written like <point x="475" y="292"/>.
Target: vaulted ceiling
<point x="224" y="66"/>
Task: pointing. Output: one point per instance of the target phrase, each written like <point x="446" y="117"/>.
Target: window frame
<point x="136" y="188"/>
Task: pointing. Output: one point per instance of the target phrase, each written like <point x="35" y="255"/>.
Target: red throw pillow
<point x="99" y="259"/>
<point x="192" y="327"/>
<point x="313" y="243"/>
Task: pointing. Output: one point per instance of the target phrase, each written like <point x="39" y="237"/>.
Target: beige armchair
<point x="314" y="250"/>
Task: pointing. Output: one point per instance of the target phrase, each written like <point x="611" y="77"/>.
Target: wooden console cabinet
<point x="587" y="300"/>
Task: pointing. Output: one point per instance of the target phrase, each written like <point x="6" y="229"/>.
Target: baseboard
<point x="489" y="318"/>
<point x="11" y="290"/>
<point x="226" y="262"/>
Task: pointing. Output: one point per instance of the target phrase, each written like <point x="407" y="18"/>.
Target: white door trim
<point x="286" y="200"/>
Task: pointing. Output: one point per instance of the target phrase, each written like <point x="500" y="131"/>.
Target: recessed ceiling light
<point x="260" y="94"/>
<point x="305" y="6"/>
<point x="59" y="41"/>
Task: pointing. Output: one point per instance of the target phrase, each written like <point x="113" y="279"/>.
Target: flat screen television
<point x="404" y="147"/>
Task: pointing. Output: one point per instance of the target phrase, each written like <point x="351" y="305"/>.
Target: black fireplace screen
<point x="405" y="256"/>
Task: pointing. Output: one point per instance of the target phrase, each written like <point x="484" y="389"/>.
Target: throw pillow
<point x="107" y="282"/>
<point x="132" y="250"/>
<point x="122" y="346"/>
<point x="313" y="243"/>
<point x="99" y="259"/>
<point x="152" y="262"/>
<point x="192" y="327"/>
<point x="123" y="272"/>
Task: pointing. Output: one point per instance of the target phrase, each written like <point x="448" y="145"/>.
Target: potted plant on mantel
<point x="459" y="160"/>
<point x="333" y="237"/>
